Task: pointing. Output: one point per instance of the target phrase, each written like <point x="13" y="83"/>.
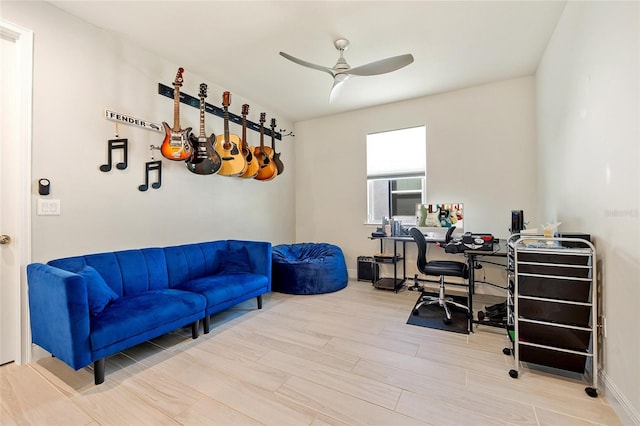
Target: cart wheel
<point x="446" y="320"/>
<point x="506" y="351"/>
<point x="513" y="374"/>
<point x="416" y="312"/>
<point x="593" y="393"/>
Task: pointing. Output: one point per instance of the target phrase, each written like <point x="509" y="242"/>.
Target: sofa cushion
<point x="224" y="287"/>
<point x="99" y="294"/>
<point x="232" y="261"/>
<point x="132" y="315"/>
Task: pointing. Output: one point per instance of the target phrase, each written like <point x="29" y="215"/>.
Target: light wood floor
<point x="345" y="358"/>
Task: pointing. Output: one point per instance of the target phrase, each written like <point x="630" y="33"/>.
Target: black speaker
<point x="517" y="221"/>
<point x="368" y="269"/>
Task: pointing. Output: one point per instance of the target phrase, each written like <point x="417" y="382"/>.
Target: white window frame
<point x="395" y="155"/>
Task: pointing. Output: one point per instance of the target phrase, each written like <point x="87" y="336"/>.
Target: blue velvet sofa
<point x="86" y="308"/>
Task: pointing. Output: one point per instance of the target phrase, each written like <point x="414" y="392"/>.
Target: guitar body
<point x="279" y="163"/>
<point x="252" y="164"/>
<point x="233" y="163"/>
<point x="205" y="160"/>
<point x="176" y="145"/>
<point x="268" y="169"/>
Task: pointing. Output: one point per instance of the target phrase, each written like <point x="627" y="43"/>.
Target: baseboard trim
<point x="628" y="415"/>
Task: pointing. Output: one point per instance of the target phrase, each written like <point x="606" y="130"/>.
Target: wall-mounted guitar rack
<point x="212" y="109"/>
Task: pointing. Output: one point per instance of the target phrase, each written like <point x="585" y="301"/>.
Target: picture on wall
<point x="440" y="215"/>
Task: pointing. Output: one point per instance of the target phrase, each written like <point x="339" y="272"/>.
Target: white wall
<point x="480" y="151"/>
<point x="81" y="70"/>
<point x="589" y="164"/>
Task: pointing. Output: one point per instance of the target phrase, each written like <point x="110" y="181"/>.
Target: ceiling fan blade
<point x="383" y="66"/>
<point x="337" y="86"/>
<point x="307" y="64"/>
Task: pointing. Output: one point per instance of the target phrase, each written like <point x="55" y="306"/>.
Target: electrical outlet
<point x="603" y="325"/>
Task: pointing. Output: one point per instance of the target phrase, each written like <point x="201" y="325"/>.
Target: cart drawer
<point x="560" y="270"/>
<point x="554" y="258"/>
<point x="554" y="288"/>
<point x="550" y="335"/>
<point x="551" y="358"/>
<point x="561" y="313"/>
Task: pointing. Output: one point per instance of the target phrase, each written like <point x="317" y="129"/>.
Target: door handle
<point x="5" y="239"/>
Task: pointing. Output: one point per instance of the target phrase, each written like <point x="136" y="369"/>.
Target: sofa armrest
<point x="59" y="312"/>
<point x="259" y="255"/>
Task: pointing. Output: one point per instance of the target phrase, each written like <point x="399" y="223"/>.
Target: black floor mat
<point x="431" y="316"/>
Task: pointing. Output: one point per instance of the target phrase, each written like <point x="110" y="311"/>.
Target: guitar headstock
<point x="263" y="118"/>
<point x="226" y="99"/>
<point x="273" y="123"/>
<point x="203" y="91"/>
<point x="178" y="80"/>
<point x="245" y="110"/>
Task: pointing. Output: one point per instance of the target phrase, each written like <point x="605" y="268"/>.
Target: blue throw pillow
<point x="232" y="261"/>
<point x="98" y="292"/>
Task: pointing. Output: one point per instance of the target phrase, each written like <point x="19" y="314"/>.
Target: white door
<point x="15" y="212"/>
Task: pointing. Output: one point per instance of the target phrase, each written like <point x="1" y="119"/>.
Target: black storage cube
<point x="561" y="313"/>
<point x="551" y="358"/>
<point x="554" y="288"/>
<point x="551" y="335"/>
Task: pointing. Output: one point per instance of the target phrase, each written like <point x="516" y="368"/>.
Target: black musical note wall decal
<point x="113" y="145"/>
<point x="148" y="168"/>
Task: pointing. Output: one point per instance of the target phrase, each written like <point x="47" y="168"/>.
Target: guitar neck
<point x="202" y="133"/>
<point x="226" y="124"/>
<point x="176" y="109"/>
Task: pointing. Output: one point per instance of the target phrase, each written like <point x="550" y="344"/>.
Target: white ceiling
<point x="235" y="44"/>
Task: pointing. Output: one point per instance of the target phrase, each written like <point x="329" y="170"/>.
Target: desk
<point x="472" y="257"/>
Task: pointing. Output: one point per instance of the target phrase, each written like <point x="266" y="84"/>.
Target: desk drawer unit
<point x="554" y="306"/>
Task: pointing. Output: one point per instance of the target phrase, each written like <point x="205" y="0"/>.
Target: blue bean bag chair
<point x="308" y="268"/>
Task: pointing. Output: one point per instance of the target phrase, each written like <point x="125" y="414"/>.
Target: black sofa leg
<point x="259" y="301"/>
<point x="194" y="329"/>
<point x="98" y="370"/>
<point x="206" y="324"/>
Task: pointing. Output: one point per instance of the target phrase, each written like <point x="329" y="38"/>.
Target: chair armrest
<point x="259" y="254"/>
<point x="59" y="312"/>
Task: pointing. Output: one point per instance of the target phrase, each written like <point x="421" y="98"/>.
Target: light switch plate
<point x="48" y="207"/>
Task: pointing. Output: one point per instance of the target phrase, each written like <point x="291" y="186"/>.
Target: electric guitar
<point x="247" y="151"/>
<point x="227" y="146"/>
<point x="204" y="160"/>
<point x="263" y="154"/>
<point x="176" y="144"/>
<point x="276" y="155"/>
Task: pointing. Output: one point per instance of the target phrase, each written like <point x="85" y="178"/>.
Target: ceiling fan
<point x="341" y="71"/>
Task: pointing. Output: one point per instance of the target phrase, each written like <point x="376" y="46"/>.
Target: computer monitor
<point x="436" y="216"/>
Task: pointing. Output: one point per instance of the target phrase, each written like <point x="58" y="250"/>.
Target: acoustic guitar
<point x="276" y="155"/>
<point x="176" y="145"/>
<point x="228" y="146"/>
<point x="247" y="151"/>
<point x="263" y="154"/>
<point x="204" y="160"/>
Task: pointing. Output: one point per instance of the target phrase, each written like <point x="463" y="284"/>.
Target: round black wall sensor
<point x="44" y="186"/>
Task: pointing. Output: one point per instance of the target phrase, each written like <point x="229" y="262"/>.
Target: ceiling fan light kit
<point x="341" y="71"/>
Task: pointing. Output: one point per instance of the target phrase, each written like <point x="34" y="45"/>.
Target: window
<point x="396" y="164"/>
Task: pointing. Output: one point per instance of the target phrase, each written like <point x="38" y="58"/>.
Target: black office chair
<point x="440" y="268"/>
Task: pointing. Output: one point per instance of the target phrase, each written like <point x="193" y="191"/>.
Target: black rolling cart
<point x="552" y="304"/>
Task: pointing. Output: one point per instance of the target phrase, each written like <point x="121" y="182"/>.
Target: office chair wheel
<point x="481" y="316"/>
<point x="513" y="374"/>
<point x="446" y="320"/>
<point x="506" y="351"/>
<point x="593" y="393"/>
<point x="416" y="312"/>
